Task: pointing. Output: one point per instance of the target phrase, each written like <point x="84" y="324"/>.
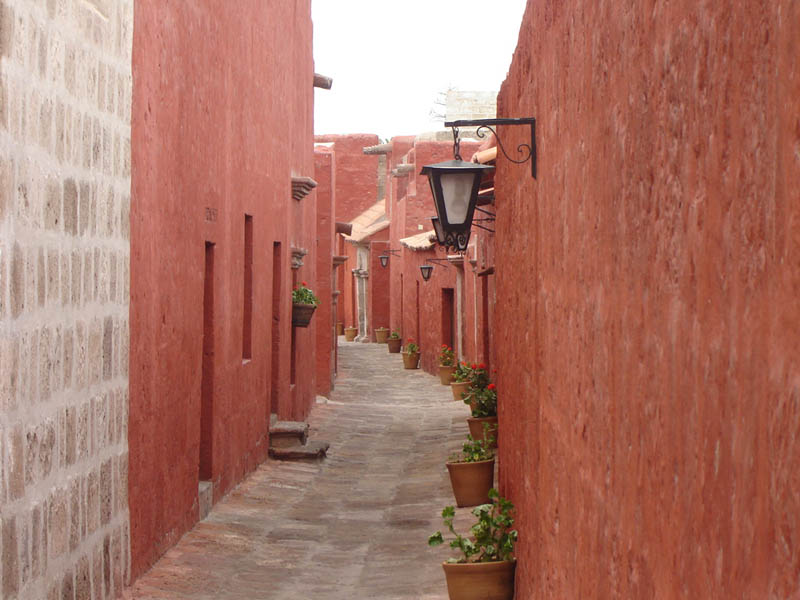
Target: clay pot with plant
<point x="472" y="471"/>
<point x="339" y="328"/>
<point x="483" y="404"/>
<point x="460" y="384"/>
<point x="484" y="567"/>
<point x="411" y="355"/>
<point x="447" y="364"/>
<point x="381" y="335"/>
<point x="350" y="333"/>
<point x="394" y="342"/>
<point x="304" y="303"/>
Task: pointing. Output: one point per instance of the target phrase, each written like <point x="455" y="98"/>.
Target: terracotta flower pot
<point x="471" y="481"/>
<point x="340" y="328"/>
<point x="476" y="428"/>
<point x="350" y="333"/>
<point x="411" y="360"/>
<point x="302" y="313"/>
<point x="458" y="389"/>
<point x="446" y="374"/>
<point x="394" y="345"/>
<point x="480" y="581"/>
<point x="381" y="334"/>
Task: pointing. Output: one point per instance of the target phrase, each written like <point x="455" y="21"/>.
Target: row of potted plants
<point x="484" y="567"/>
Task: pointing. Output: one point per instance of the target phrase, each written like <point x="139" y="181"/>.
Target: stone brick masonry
<point x="65" y="88"/>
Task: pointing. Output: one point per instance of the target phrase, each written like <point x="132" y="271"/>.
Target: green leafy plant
<point x="395" y="335"/>
<point x="482" y="401"/>
<point x="447" y="358"/>
<point x="462" y="373"/>
<point x="411" y="347"/>
<point x="491" y="538"/>
<point x="479" y="376"/>
<point x="302" y="294"/>
<point x="475" y="450"/>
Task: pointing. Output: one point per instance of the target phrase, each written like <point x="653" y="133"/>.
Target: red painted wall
<point x="325" y="315"/>
<point x="378" y="284"/>
<point x="647" y="314"/>
<point x="206" y="149"/>
<point x="396" y="187"/>
<point x="356" y="173"/>
<point x="423" y="313"/>
<point x="348" y="295"/>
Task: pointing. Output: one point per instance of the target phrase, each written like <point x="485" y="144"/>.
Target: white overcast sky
<point x="389" y="59"/>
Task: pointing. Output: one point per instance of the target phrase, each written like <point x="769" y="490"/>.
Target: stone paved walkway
<point x="352" y="527"/>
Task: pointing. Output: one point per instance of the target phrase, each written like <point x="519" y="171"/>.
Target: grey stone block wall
<point x="65" y="89"/>
<point x="470" y="105"/>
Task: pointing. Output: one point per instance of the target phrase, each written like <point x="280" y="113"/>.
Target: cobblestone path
<point x="351" y="527"/>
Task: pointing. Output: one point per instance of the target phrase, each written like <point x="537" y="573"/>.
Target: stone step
<point x="312" y="450"/>
<point x="205" y="495"/>
<point x="283" y="434"/>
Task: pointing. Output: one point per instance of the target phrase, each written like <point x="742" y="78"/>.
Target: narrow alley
<point x="351" y="526"/>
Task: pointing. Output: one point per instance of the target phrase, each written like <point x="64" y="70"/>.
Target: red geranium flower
<point x="491" y="386"/>
<point x="474" y="366"/>
<point x="481" y="366"/>
<point x="304" y="283"/>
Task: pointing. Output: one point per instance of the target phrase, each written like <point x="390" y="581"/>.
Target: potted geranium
<point x="484" y="569"/>
<point x="304" y="303"/>
<point x="460" y="383"/>
<point x="472" y="471"/>
<point x="411" y="355"/>
<point x="381" y="334"/>
<point x="478" y="378"/>
<point x="350" y="333"/>
<point x="394" y="342"/>
<point x="483" y="403"/>
<point x="447" y="364"/>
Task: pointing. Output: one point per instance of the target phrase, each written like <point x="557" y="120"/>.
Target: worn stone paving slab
<point x="353" y="526"/>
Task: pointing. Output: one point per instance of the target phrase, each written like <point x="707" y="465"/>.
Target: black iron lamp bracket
<point x="489" y="219"/>
<point x="392" y="252"/>
<point x="439" y="261"/>
<point x="528" y="151"/>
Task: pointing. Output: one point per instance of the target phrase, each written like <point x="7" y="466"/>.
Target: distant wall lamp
<point x="455" y="183"/>
<point x="427" y="269"/>
<point x="384" y="258"/>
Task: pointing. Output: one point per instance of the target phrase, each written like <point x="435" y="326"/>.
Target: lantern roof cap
<point x="456" y="164"/>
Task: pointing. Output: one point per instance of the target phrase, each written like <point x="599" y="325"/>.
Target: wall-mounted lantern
<point x="455" y="183"/>
<point x="384" y="258"/>
<point x="437" y="228"/>
<point x="427" y="269"/>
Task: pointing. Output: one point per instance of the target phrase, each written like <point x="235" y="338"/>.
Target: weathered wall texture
<point x="650" y="400"/>
<point x="222" y="119"/>
<point x="65" y="85"/>
<point x="378" y="288"/>
<point x="356" y="173"/>
<point x="325" y="316"/>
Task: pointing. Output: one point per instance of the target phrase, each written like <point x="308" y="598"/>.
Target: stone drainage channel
<point x="353" y="525"/>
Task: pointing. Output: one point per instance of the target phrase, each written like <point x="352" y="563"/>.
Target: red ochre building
<point x="637" y="300"/>
<point x="222" y="227"/>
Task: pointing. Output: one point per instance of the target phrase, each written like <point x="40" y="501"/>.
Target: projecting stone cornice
<point x="402" y="170"/>
<point x="297" y="257"/>
<point x="379" y="149"/>
<point x="322" y="82"/>
<point x="302" y="186"/>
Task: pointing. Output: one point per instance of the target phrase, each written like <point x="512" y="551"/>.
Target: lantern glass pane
<point x="456" y="189"/>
